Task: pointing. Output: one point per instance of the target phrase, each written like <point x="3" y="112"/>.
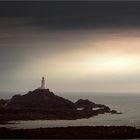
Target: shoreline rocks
<point x="44" y="104"/>
<point x="83" y="132"/>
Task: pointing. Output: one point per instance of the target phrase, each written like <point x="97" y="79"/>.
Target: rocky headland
<point x="39" y="99"/>
<point x="44" y="104"/>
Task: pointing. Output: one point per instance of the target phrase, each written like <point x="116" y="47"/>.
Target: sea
<point x="128" y="104"/>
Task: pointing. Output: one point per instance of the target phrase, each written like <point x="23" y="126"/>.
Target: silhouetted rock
<point x="40" y="99"/>
<point x="83" y="132"/>
<point x="84" y="103"/>
<point x="42" y="104"/>
<point x="88" y="105"/>
<point x="2" y="103"/>
<point x="115" y="112"/>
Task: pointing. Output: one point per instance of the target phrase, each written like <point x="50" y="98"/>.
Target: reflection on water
<point x="128" y="105"/>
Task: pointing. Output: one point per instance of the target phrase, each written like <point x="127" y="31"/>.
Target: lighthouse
<point x="42" y="83"/>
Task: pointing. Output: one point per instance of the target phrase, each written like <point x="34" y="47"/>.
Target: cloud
<point x="100" y="61"/>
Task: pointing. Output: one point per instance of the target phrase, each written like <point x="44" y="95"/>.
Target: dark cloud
<point x="79" y="14"/>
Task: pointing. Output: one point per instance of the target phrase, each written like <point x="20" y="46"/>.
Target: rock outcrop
<point x="2" y="103"/>
<point x="42" y="104"/>
<point x="79" y="132"/>
<point x="86" y="104"/>
<point x="39" y="99"/>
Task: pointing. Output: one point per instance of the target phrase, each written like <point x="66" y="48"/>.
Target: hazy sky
<point x="77" y="46"/>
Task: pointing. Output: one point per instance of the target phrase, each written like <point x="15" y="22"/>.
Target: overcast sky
<point x="77" y="46"/>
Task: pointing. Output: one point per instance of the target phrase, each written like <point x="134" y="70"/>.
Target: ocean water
<point x="129" y="105"/>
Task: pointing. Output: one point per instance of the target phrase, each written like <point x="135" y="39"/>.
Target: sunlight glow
<point x="111" y="64"/>
<point x="102" y="64"/>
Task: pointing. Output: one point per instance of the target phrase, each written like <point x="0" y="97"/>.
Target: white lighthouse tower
<point x="42" y="83"/>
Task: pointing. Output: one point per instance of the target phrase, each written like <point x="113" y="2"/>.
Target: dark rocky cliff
<point x="42" y="104"/>
<point x="40" y="99"/>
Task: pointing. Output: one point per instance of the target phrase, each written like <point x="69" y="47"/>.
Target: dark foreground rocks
<point x="85" y="132"/>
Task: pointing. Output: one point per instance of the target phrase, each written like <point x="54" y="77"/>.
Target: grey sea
<point x="129" y="105"/>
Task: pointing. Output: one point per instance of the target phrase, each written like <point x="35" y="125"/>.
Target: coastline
<point x="82" y="132"/>
<point x="7" y="115"/>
